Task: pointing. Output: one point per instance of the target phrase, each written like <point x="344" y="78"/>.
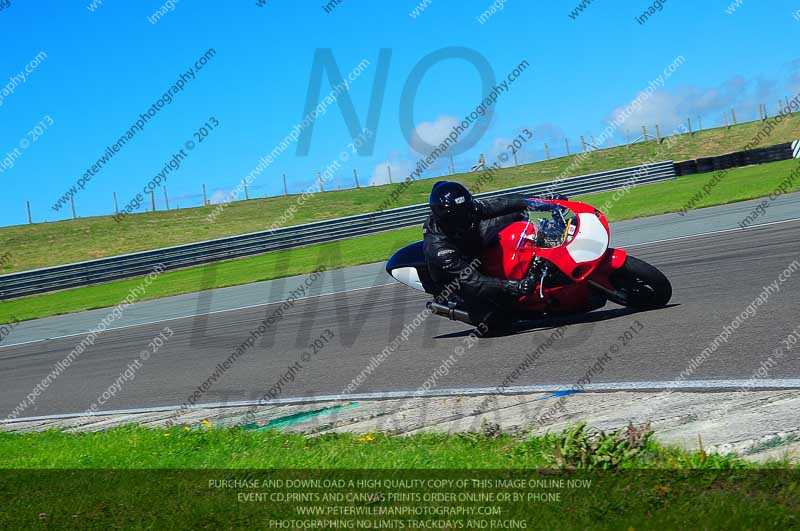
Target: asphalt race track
<point x="714" y="276"/>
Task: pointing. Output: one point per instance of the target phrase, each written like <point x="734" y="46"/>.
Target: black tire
<point x="640" y="285"/>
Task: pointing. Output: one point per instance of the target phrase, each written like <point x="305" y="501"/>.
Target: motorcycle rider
<point x="457" y="230"/>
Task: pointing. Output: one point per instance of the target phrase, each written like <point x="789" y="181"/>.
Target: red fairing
<point x="614" y="259"/>
<point x="584" y="255"/>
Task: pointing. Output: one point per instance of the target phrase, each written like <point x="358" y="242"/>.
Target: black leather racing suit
<point x="448" y="258"/>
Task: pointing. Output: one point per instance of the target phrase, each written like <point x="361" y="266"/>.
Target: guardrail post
<point x="116" y="210"/>
<point x="28" y="207"/>
<point x="166" y="199"/>
<point x="286" y="190"/>
<point x="205" y="201"/>
<point x="72" y="204"/>
<point x="546" y="151"/>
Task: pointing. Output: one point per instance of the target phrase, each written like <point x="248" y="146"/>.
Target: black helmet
<point x="453" y="207"/>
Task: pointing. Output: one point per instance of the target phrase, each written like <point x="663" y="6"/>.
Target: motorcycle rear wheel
<point x="640" y="285"/>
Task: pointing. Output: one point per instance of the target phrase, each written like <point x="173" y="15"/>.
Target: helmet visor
<point x="456" y="218"/>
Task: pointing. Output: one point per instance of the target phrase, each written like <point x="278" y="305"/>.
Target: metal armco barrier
<point x="181" y="256"/>
<point x="763" y="155"/>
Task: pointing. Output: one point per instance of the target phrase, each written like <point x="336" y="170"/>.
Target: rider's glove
<point x="541" y="206"/>
<point x="522" y="287"/>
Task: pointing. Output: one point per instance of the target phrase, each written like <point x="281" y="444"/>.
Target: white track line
<point x="78" y="334"/>
<point x="720" y="231"/>
<point x="686" y="385"/>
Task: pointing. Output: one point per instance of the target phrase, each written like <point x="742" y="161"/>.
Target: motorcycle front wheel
<point x="639" y="285"/>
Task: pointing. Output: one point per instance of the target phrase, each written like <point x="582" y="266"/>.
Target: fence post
<point x="72" y="203"/>
<point x="583" y="144"/>
<point x="388" y="167"/>
<point x="356" y="177"/>
<point x="205" y="202"/>
<point x="546" y="151"/>
<point x="658" y="134"/>
<point x="246" y="195"/>
<point x="733" y="116"/>
<point x="166" y="199"/>
<point x="28" y="206"/>
<point x="116" y="210"/>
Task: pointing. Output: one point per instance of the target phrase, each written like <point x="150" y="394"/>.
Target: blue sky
<point x="105" y="67"/>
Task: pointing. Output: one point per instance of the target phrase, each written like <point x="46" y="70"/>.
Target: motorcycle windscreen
<point x="591" y="240"/>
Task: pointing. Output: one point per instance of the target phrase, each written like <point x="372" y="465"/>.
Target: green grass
<point x="737" y="185"/>
<point x="135" y="477"/>
<point x="365" y="249"/>
<point x="210" y="448"/>
<point x="47" y="244"/>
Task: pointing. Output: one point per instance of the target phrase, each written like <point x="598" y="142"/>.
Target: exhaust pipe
<point x="452" y="313"/>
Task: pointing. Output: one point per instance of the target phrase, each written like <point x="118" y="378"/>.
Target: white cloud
<point x="499" y="151"/>
<point x="429" y="134"/>
<point x="670" y="108"/>
<point x="220" y="196"/>
<point x="400" y="170"/>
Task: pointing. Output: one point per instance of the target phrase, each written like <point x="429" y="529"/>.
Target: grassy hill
<point x="47" y="244"/>
<point x="671" y="196"/>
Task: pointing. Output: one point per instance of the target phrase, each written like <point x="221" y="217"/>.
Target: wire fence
<point x="525" y="151"/>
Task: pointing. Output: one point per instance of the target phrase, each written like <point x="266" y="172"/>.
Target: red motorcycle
<point x="569" y="258"/>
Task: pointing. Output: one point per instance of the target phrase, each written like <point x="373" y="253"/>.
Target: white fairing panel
<point x="591" y="241"/>
<point x="408" y="276"/>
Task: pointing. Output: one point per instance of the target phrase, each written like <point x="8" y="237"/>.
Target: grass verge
<point x="175" y="479"/>
<point x="48" y="244"/>
<point x="133" y="447"/>
<point x="737" y="185"/>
